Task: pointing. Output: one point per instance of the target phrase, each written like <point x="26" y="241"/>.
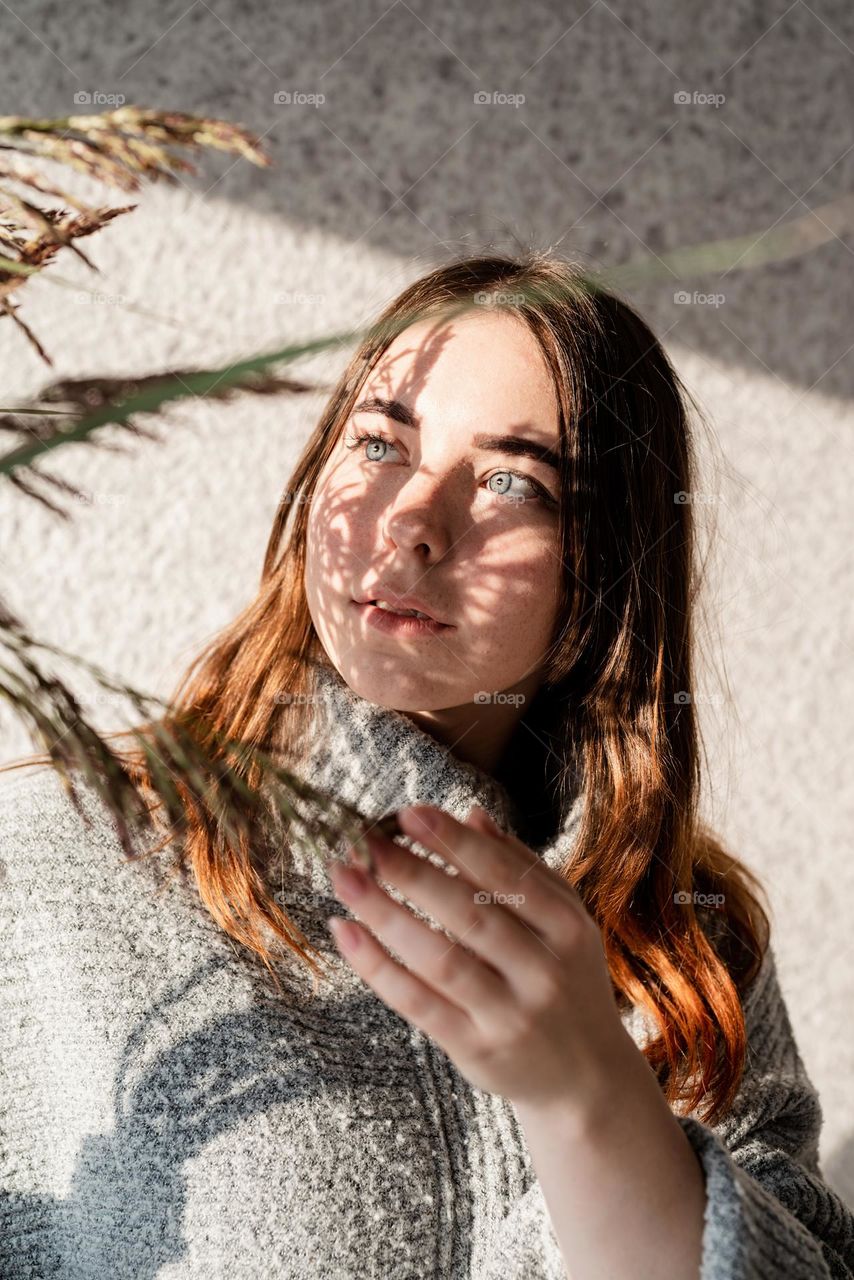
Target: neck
<point x="472" y="733"/>
<point x="481" y="732"/>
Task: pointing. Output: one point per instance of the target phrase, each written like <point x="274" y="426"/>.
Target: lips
<point x="403" y="603"/>
<point x="403" y="613"/>
<point x="407" y="625"/>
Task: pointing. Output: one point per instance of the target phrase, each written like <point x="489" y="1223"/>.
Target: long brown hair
<point x="616" y="709"/>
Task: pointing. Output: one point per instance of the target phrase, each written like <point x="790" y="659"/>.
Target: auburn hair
<point x="616" y="708"/>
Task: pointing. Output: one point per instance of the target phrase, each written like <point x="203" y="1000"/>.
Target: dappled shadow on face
<point x="486" y="563"/>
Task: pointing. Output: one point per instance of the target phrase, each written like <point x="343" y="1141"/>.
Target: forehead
<point x="478" y="365"/>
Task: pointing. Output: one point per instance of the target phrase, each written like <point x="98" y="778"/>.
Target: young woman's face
<point x="434" y="511"/>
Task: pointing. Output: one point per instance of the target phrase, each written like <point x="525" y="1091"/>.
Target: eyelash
<point x="364" y="437"/>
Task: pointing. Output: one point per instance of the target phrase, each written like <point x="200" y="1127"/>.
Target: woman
<point x="548" y="1039"/>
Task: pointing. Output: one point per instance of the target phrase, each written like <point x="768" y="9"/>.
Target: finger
<point x="516" y="951"/>
<point x="405" y="992"/>
<point x="483" y="821"/>
<point x="460" y="975"/>
<point x="506" y="867"/>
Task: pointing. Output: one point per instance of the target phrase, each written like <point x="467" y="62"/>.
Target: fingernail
<point x="360" y="849"/>
<point x="351" y="881"/>
<point x="347" y="937"/>
<point x="426" y="819"/>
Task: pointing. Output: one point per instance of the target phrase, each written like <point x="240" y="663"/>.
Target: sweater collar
<point x="378" y="760"/>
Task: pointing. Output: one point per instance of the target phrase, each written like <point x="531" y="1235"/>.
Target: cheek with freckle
<point x="513" y="606"/>
<point x="502" y="583"/>
<point x="341" y="547"/>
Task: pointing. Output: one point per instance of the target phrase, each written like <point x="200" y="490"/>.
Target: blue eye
<point x="514" y="475"/>
<point x="368" y="437"/>
<point x="539" y="493"/>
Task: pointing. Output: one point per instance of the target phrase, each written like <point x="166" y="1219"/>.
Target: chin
<point x="400" y="687"/>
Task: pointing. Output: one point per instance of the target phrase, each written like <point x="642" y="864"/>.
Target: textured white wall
<point x="398" y="167"/>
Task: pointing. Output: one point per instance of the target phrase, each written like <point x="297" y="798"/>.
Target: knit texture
<point x="166" y="1113"/>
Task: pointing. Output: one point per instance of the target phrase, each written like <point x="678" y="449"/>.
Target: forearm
<point x="623" y="1186"/>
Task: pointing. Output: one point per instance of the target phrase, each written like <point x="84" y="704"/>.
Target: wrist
<point x="585" y="1114"/>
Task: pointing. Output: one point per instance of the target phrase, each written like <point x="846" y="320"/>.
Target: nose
<point x="418" y="515"/>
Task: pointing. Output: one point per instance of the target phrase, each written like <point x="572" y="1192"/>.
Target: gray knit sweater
<point x="164" y="1113"/>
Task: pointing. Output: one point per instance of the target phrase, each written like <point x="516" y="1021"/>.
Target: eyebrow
<point x="517" y="446"/>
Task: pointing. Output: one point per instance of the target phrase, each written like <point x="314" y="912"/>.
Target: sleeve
<point x="768" y="1210"/>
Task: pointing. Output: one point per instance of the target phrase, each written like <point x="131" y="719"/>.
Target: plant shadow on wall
<point x="39" y="222"/>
